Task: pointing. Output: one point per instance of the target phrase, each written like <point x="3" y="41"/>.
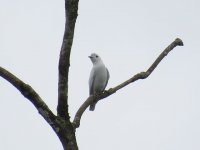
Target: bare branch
<point x="142" y="75"/>
<point x="71" y="8"/>
<point x="28" y="92"/>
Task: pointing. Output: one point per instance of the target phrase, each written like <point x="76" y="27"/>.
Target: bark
<point x="67" y="134"/>
<point x="71" y="8"/>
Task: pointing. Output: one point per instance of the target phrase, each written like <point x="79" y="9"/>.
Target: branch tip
<point x="179" y="42"/>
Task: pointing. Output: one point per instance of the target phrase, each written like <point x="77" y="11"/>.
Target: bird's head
<point x="95" y="58"/>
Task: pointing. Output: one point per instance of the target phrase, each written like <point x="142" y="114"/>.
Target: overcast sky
<point x="159" y="113"/>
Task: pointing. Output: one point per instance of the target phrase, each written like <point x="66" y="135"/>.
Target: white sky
<point x="159" y="113"/>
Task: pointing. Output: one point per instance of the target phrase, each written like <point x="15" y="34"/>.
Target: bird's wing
<point x="108" y="76"/>
<point x="91" y="81"/>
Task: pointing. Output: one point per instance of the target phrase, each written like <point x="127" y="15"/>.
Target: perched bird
<point x="99" y="77"/>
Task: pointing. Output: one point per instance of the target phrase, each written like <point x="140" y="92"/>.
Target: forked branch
<point x="141" y="75"/>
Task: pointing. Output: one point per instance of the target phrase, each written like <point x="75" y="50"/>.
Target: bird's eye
<point x="97" y="56"/>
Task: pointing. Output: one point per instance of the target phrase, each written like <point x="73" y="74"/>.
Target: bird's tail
<point x="92" y="106"/>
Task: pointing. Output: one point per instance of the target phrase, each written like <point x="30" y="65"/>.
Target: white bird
<point x="99" y="77"/>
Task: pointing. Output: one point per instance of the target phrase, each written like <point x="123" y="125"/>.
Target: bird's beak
<point x="90" y="57"/>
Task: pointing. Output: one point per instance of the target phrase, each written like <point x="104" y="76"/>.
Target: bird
<point x="99" y="77"/>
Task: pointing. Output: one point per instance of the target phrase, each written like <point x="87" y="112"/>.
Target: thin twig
<point x="141" y="75"/>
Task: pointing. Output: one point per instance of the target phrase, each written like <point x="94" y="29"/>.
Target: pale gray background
<point x="159" y="113"/>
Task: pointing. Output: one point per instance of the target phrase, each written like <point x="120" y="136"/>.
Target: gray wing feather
<point x="108" y="76"/>
<point x="91" y="83"/>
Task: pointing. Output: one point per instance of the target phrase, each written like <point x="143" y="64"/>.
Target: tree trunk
<point x="66" y="134"/>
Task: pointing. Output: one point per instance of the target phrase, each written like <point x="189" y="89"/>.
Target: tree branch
<point x="71" y="8"/>
<point x="62" y="128"/>
<point x="28" y="92"/>
<point x="141" y="75"/>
